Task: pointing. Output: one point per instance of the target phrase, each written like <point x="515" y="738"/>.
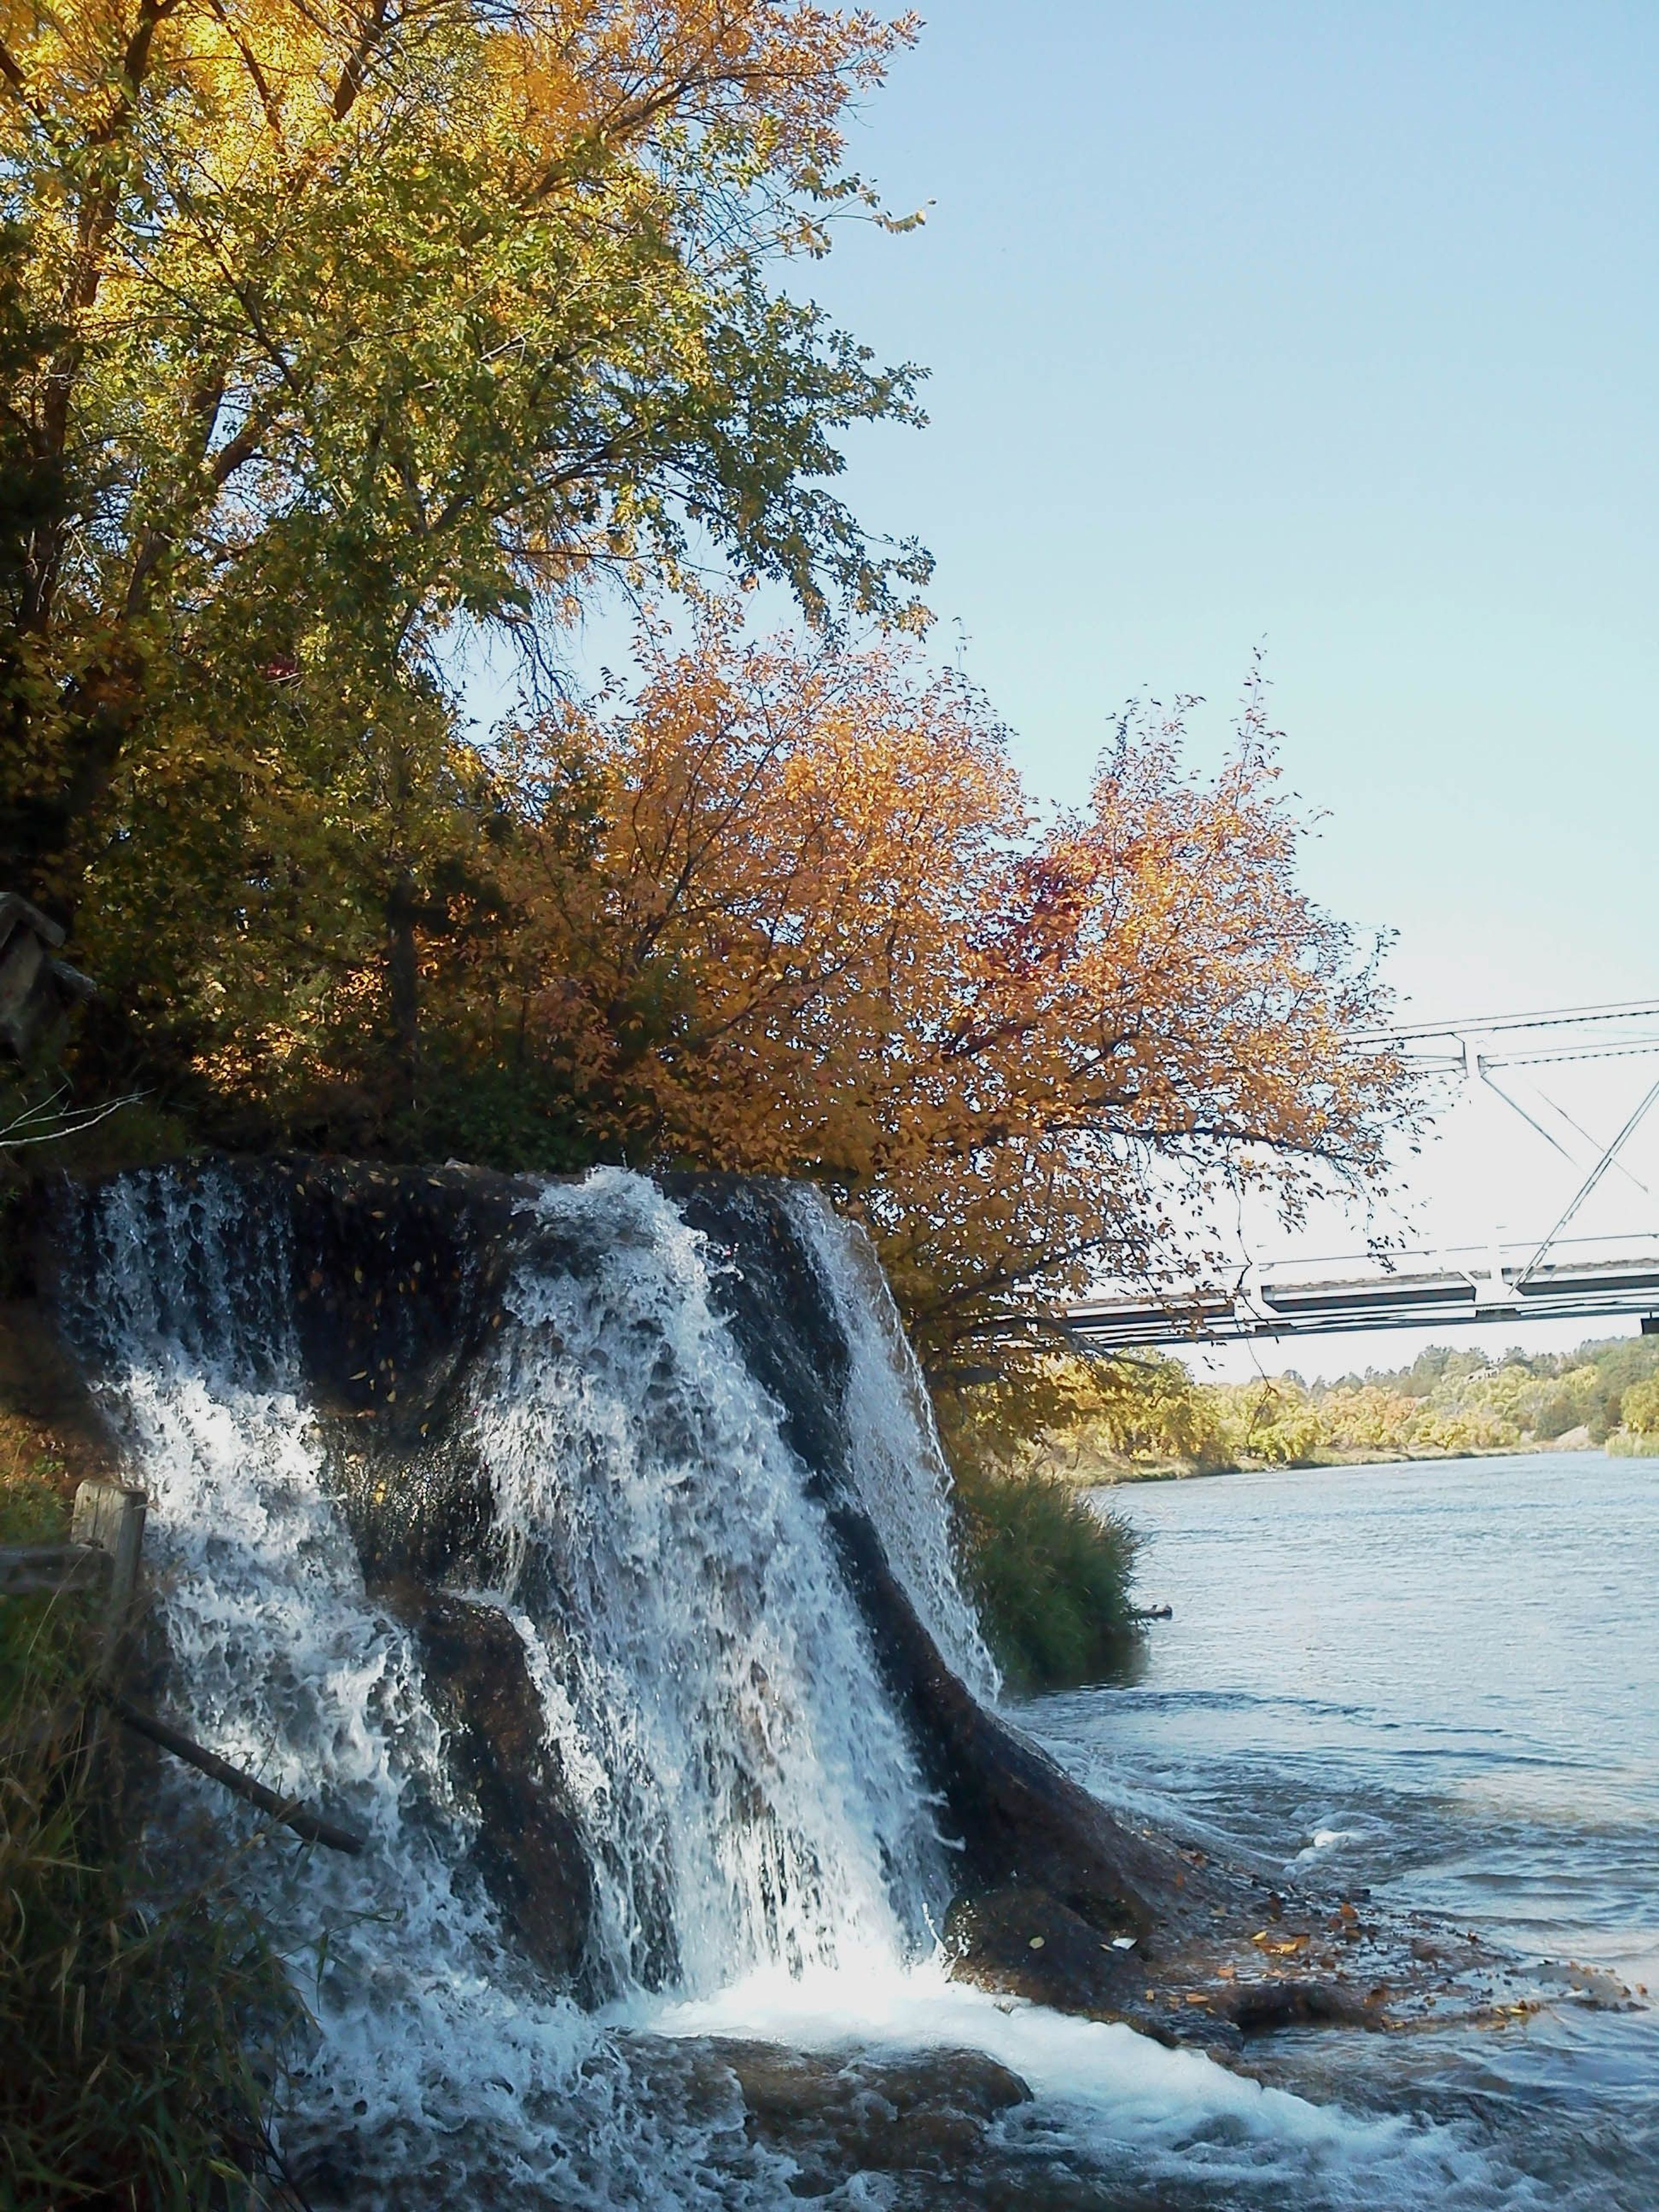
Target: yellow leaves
<point x="1280" y="1946"/>
<point x="539" y="87"/>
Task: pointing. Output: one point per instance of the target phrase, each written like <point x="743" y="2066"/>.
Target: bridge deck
<point x="1572" y="1291"/>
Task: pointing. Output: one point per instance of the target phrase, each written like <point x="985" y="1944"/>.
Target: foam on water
<point x="763" y="1846"/>
<point x="1105" y="2095"/>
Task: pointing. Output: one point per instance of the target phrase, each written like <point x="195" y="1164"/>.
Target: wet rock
<point x="1024" y="1942"/>
<point x="396" y="1289"/>
<point x="1591" y="1985"/>
<point x="840" y="2115"/>
<point x="1255" y="2008"/>
<point x="528" y="1851"/>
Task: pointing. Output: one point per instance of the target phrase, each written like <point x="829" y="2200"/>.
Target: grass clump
<point x="141" y="2035"/>
<point x="1052" y="1576"/>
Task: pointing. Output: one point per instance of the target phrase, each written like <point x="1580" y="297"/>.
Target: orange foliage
<point x="789" y="911"/>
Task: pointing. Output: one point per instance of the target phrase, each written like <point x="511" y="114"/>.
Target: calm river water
<point x="1440" y="1681"/>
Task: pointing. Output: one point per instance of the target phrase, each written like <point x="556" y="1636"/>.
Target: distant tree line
<point x="1106" y="1419"/>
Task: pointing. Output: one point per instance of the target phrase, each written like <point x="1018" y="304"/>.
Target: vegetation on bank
<point x="1050" y="1575"/>
<point x="143" y="2021"/>
<point x="1109" y="1421"/>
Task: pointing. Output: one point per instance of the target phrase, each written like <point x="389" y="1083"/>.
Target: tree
<point x="336" y="330"/>
<point x="787" y="909"/>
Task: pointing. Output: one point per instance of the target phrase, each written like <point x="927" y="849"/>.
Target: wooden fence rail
<point x="30" y="1570"/>
<point x="106" y="1536"/>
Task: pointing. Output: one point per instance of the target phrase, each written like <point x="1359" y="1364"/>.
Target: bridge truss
<point x="1554" y="1277"/>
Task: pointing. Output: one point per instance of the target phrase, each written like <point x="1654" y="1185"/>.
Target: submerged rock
<point x="862" y="2113"/>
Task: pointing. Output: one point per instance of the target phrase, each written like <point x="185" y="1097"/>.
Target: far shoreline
<point x="1110" y="1475"/>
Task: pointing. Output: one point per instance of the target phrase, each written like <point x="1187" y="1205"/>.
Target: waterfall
<point x="751" y="1798"/>
<point x="538" y="1529"/>
<point x="896" y="1462"/>
<point x="706" y="1693"/>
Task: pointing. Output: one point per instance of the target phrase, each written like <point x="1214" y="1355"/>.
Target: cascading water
<point x="897" y="1463"/>
<point x="749" y="1797"/>
<point x="744" y="1793"/>
<point x="498" y="1518"/>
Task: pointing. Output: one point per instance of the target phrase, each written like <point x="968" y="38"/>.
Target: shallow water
<point x="1440" y="1682"/>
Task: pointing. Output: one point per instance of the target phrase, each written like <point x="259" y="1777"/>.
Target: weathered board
<point x="34" y="1570"/>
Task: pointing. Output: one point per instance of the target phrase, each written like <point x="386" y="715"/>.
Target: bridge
<point x="1551" y="1277"/>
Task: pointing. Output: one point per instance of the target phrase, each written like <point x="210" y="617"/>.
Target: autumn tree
<point x="333" y="331"/>
<point x="786" y="909"/>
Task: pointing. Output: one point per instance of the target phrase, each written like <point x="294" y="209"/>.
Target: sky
<point x="1332" y="330"/>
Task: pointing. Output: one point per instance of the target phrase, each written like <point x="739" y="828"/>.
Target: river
<point x="1438" y="1681"/>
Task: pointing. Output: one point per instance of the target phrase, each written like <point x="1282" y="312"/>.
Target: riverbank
<point x="1107" y="1473"/>
<point x="1144" y="1418"/>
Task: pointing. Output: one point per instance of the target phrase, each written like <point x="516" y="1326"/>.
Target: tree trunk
<point x="403" y="982"/>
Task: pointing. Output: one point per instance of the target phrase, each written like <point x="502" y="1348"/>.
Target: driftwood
<point x="288" y="1810"/>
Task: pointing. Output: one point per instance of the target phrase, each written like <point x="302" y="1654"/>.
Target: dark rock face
<point x="1022" y="1942"/>
<point x="397" y="1274"/>
<point x="396" y="1277"/>
<point x="779" y="1311"/>
<point x="529" y="1852"/>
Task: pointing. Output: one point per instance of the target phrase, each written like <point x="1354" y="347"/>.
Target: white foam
<point x="1104" y="2090"/>
<point x="898" y="1464"/>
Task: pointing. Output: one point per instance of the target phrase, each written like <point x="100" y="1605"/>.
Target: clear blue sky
<point x="1335" y="328"/>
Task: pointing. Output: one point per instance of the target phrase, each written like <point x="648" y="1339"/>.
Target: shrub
<point x="1639" y="1409"/>
<point x="1051" y="1576"/>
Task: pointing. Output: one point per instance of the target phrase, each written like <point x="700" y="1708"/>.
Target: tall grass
<point x="1052" y="1576"/>
<point x="140" y="2039"/>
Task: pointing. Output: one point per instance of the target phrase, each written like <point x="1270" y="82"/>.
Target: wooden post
<point x="110" y="1518"/>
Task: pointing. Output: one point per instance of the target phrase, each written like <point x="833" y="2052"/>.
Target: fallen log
<point x="288" y="1810"/>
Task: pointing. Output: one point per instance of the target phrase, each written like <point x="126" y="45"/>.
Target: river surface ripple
<point x="1438" y="1681"/>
